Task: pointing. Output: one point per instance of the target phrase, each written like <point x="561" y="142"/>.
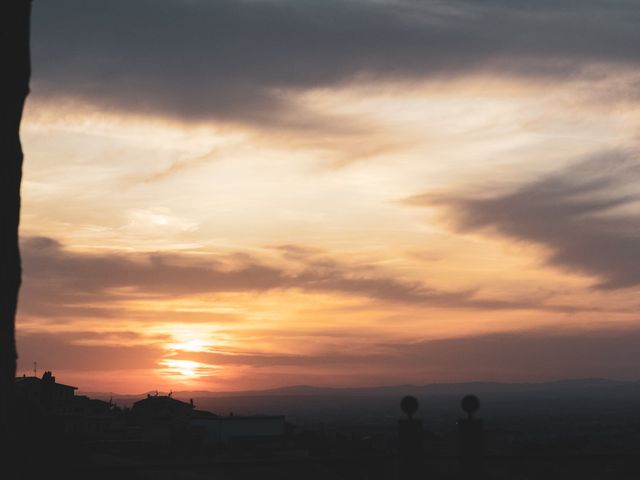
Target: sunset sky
<point x="246" y="194"/>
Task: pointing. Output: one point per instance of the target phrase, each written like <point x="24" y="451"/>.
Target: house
<point x="233" y="428"/>
<point x="162" y="409"/>
<point x="163" y="419"/>
<point x="70" y="414"/>
<point x="90" y="417"/>
<point x="45" y="394"/>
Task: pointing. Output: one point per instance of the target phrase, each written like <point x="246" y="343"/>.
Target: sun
<point x="194" y="345"/>
<point x="185" y="369"/>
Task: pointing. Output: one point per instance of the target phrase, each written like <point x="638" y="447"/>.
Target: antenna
<point x="35" y="369"/>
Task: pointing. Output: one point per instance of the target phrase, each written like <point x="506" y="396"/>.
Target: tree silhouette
<point x="14" y="87"/>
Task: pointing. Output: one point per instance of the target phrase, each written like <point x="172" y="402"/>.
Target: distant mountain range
<point x="570" y="386"/>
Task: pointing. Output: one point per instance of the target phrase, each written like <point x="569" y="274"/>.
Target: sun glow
<point x="194" y="345"/>
<point x="186" y="369"/>
<point x="191" y="338"/>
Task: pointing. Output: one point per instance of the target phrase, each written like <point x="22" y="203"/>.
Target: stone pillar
<point x="409" y="442"/>
<point x="471" y="441"/>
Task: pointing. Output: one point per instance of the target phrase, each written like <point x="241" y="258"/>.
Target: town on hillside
<point x="553" y="431"/>
<point x="157" y="423"/>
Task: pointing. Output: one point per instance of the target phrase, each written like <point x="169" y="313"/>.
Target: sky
<point x="247" y="194"/>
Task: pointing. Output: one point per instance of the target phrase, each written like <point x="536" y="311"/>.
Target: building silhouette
<point x="65" y="412"/>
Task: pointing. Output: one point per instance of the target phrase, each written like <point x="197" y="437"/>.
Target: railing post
<point x="471" y="441"/>
<point x="409" y="441"/>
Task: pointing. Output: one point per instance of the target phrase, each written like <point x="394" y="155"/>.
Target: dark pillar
<point x="14" y="86"/>
<point x="409" y="442"/>
<point x="471" y="441"/>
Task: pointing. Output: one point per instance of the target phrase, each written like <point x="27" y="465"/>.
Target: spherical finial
<point x="409" y="405"/>
<point x="470" y="404"/>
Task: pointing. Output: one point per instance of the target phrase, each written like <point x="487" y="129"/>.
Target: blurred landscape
<point x="578" y="416"/>
<point x="582" y="428"/>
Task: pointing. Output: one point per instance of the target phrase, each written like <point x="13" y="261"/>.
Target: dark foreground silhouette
<point x="159" y="435"/>
<point x="14" y="86"/>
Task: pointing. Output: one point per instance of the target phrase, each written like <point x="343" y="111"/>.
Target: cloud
<point x="524" y="355"/>
<point x="587" y="217"/>
<point x="66" y="351"/>
<point x="177" y="166"/>
<point x="530" y="355"/>
<point x="241" y="60"/>
<point x="61" y="282"/>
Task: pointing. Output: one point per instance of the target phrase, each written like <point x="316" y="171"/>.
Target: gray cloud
<point x="238" y="59"/>
<point x="521" y="356"/>
<point x="587" y="216"/>
<point x="505" y="356"/>
<point x="533" y="354"/>
<point x="60" y="282"/>
<point x="64" y="351"/>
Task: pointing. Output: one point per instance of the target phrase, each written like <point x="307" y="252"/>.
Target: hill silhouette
<point x="557" y="386"/>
